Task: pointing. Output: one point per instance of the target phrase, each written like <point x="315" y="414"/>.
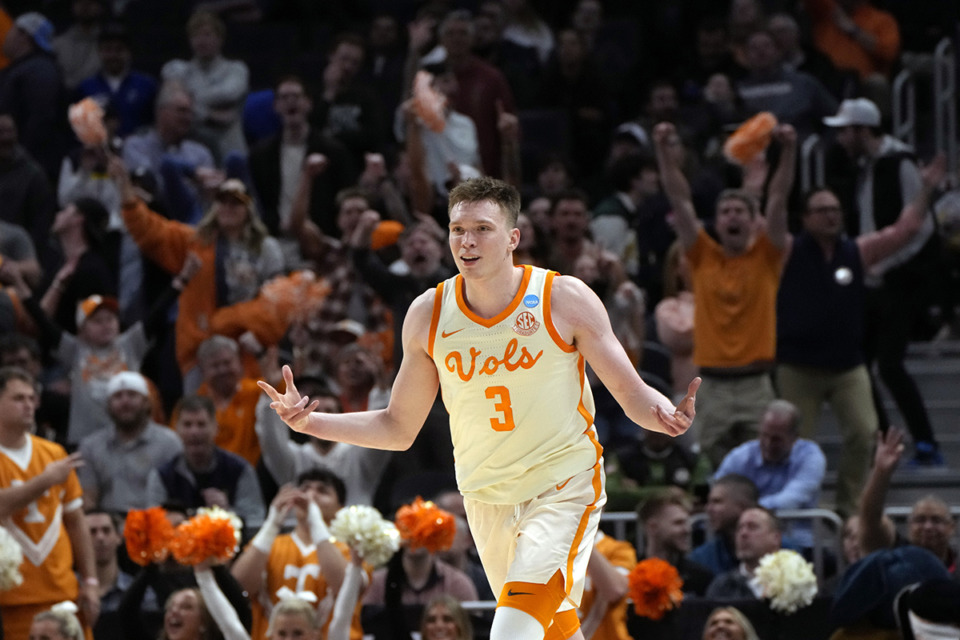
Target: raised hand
<point x="889" y="450"/>
<point x="680" y="420"/>
<point x="292" y="408"/>
<point x="935" y="171"/>
<point x="58" y="472"/>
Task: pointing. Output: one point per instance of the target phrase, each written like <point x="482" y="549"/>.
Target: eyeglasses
<point x="935" y="520"/>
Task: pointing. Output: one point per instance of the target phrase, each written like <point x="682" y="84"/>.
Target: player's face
<point x="292" y="626"/>
<point x="18" y="402"/>
<point x="182" y="619"/>
<point x="439" y="624"/>
<point x="480" y="240"/>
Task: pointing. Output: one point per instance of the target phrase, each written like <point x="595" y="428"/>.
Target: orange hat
<point x="86" y="307"/>
<point x="385" y="234"/>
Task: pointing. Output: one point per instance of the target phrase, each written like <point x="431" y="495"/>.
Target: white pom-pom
<point x="11" y="557"/>
<point x="364" y="530"/>
<point x="787" y="579"/>
<point x="66" y="606"/>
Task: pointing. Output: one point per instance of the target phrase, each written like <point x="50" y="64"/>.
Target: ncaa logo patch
<point x="531" y="301"/>
<point x="526" y="324"/>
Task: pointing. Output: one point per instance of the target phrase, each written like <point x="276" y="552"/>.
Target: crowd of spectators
<point x="272" y="190"/>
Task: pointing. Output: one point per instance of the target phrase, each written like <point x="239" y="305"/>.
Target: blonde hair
<point x="254" y="230"/>
<point x="460" y="617"/>
<point x="749" y="633"/>
<point x="67" y="624"/>
<point x="293" y="607"/>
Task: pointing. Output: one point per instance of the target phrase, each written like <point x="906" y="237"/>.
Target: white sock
<point x="510" y="624"/>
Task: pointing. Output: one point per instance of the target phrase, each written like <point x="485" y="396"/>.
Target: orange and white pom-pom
<point x="147" y="533"/>
<point x="428" y="103"/>
<point x="86" y="118"/>
<point x="655" y="587"/>
<point x="423" y="525"/>
<point x="750" y="139"/>
<point x="298" y="295"/>
<point x="211" y="535"/>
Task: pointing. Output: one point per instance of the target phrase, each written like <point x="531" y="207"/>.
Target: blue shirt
<point x="132" y="101"/>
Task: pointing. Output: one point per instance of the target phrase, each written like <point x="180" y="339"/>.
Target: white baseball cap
<point x="855" y="112"/>
<point x="128" y="381"/>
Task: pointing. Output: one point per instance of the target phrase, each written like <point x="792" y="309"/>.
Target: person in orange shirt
<point x="855" y="35"/>
<point x="734" y="282"/>
<point x="41" y="506"/>
<point x="604" y="606"/>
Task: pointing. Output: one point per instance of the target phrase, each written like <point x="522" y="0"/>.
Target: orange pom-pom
<point x="750" y="139"/>
<point x="428" y="103"/>
<point x="148" y="533"/>
<point x="386" y="234"/>
<point x="211" y="535"/>
<point x="426" y="526"/>
<point x="298" y="295"/>
<point x="86" y="118"/>
<point x="655" y="588"/>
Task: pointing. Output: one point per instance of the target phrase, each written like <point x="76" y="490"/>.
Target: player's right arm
<point x="393" y="428"/>
<point x="666" y="143"/>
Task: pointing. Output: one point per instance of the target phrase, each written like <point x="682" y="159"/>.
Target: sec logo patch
<point x="526" y="324"/>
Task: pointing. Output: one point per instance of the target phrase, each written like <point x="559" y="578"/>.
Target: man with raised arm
<point x="508" y="346"/>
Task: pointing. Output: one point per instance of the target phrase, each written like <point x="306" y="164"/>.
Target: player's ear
<point x="514" y="238"/>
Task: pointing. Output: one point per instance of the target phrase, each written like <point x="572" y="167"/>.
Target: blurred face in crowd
<point x="762" y="53"/>
<point x="104" y="536"/>
<point x="440" y="624"/>
<point x="67" y="219"/>
<point x="853" y="139"/>
<point x="292" y="103"/>
<point x="539" y="212"/>
<point x="570" y="219"/>
<point x="569" y="47"/>
<point x="851" y="540"/>
<point x="384" y="32"/>
<point x="205" y="42"/>
<point x="232" y="215"/>
<point x="671" y="528"/>
<point x="756" y="536"/>
<point x="785" y="31"/>
<point x="777" y="437"/>
<point x="8" y="137"/>
<point x="349" y="214"/>
<point x="292" y="626"/>
<point x="18" y="403"/>
<point x="324" y="495"/>
<point x="734" y="224"/>
<point x="197" y="430"/>
<point x="457" y="39"/>
<point x="553" y="179"/>
<point x="349" y="57"/>
<point x="183" y="617"/>
<point x="23" y="358"/>
<point x="823" y="217"/>
<point x="588" y="15"/>
<point x="422" y="252"/>
<point x="46" y="629"/>
<point x="723" y="508"/>
<point x="128" y="409"/>
<point x="175" y="117"/>
<point x="712" y="46"/>
<point x="114" y="57"/>
<point x="17" y="44"/>
<point x="100" y="328"/>
<point x="931" y="526"/>
<point x="723" y="625"/>
<point x="222" y="370"/>
<point x="663" y="103"/>
<point x="356" y="368"/>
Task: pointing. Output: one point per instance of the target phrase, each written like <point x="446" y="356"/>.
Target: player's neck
<point x="12" y="438"/>
<point x="487" y="297"/>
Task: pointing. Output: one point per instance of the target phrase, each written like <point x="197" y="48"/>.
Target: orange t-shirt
<point x="735" y="308"/>
<point x="47" y="566"/>
<point x="237" y="421"/>
<point x="843" y="50"/>
<point x="614" y="626"/>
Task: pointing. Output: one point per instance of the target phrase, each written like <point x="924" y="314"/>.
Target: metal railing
<point x="905" y="107"/>
<point x="812" y="172"/>
<point x="945" y="102"/>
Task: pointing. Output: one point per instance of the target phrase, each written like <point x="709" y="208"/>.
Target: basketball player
<point x="507" y="346"/>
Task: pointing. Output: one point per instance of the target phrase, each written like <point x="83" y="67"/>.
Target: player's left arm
<point x="581" y="319"/>
<point x="80" y="542"/>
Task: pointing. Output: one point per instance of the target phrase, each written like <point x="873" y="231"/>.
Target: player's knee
<point x="539" y="601"/>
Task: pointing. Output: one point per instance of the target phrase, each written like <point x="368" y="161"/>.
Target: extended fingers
<point x="270" y="391"/>
<point x="288" y="378"/>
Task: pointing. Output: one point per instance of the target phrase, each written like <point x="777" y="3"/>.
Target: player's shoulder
<point x="570" y="295"/>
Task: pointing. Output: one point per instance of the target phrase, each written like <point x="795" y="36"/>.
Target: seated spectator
<point x="277" y="162"/>
<point x="218" y="85"/>
<point x="665" y="518"/>
<point x="787" y="470"/>
<point x="205" y="475"/>
<point x="758" y="533"/>
<point x="116" y="86"/>
<point x="727" y="623"/>
<point x="729" y="497"/>
<point x="931" y="525"/>
<point x="57" y="623"/>
<point x="650" y="463"/>
<point x="304" y="560"/>
<point x="359" y="467"/>
<point x="120" y="454"/>
<point x="106" y="537"/>
<point x="182" y="168"/>
<point x="236" y="256"/>
<point x="32" y="91"/>
<point x="28" y="198"/>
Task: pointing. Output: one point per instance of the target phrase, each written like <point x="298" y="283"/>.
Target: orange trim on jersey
<point x="500" y="317"/>
<point x="539" y="600"/>
<point x="435" y="318"/>
<point x="565" y="624"/>
<point x="584" y="520"/>
<point x="548" y="315"/>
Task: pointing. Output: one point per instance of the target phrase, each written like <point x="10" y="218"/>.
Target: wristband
<point x="93" y="582"/>
<point x="268" y="532"/>
<point x="318" y="528"/>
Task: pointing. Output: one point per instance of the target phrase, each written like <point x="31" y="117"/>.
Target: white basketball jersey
<point x="521" y="410"/>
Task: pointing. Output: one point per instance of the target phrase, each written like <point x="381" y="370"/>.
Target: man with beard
<point x="119" y="456"/>
<point x="735" y="280"/>
<point x="665" y="517"/>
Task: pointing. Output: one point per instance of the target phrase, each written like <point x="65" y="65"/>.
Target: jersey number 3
<point x="502" y="394"/>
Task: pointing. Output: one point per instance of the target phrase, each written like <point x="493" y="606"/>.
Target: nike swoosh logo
<point x="563" y="484"/>
<point x="447" y="335"/>
<point x="511" y="592"/>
